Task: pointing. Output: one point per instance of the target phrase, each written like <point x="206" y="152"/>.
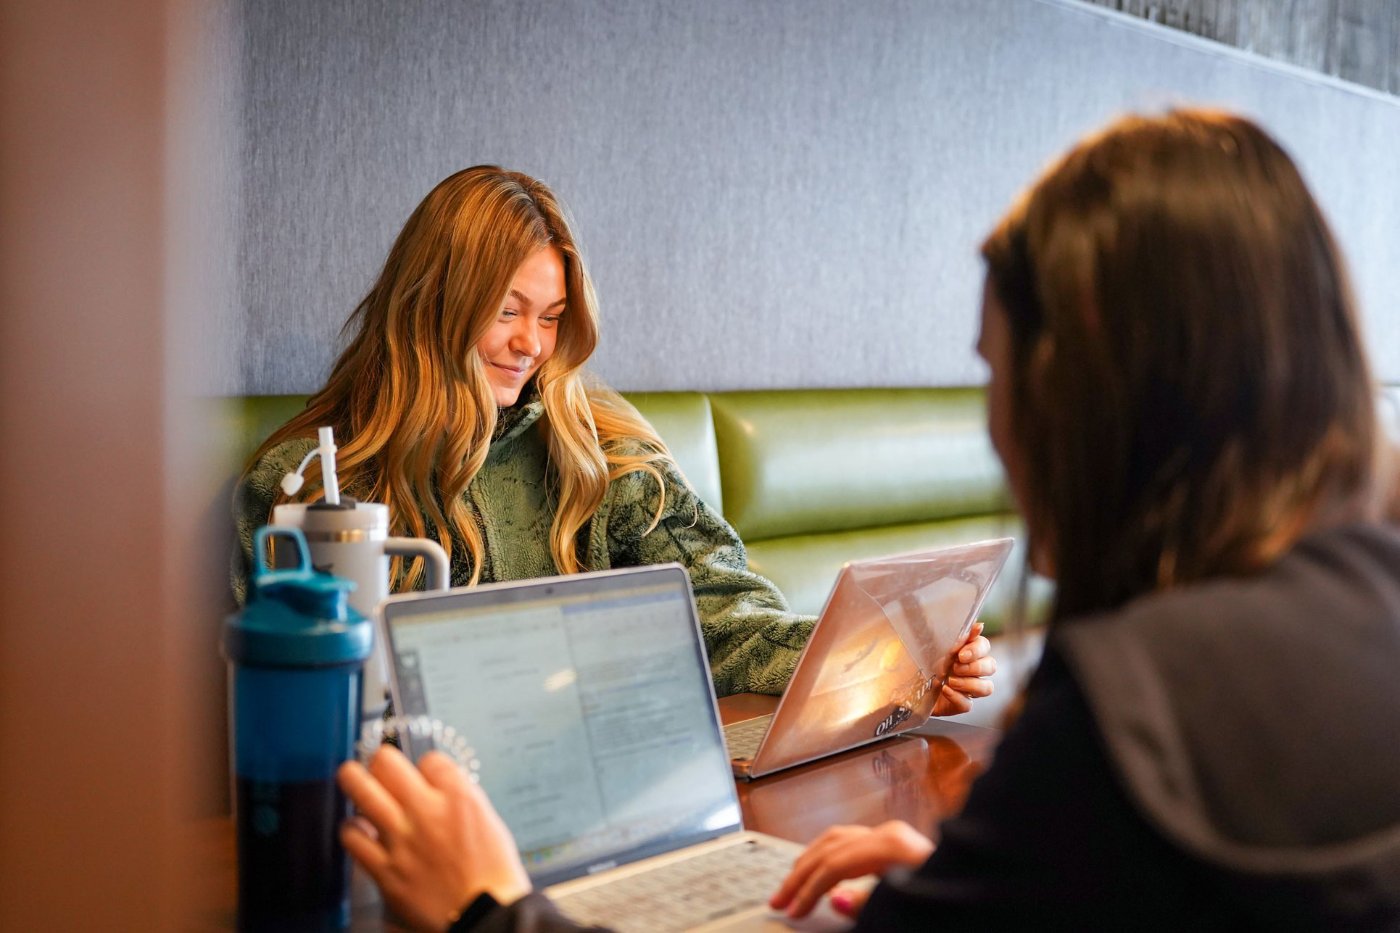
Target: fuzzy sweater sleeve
<point x="751" y="636"/>
<point x="253" y="498"/>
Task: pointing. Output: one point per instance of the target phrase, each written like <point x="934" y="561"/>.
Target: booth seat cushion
<point x="249" y="421"/>
<point x="805" y="566"/>
<point x="684" y="421"/>
<point x="816" y="461"/>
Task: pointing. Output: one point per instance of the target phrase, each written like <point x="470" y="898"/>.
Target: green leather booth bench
<point x="812" y="478"/>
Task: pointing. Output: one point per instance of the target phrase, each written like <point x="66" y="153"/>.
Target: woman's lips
<point x="513" y="371"/>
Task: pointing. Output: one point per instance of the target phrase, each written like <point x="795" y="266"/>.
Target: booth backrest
<point x="811" y="478"/>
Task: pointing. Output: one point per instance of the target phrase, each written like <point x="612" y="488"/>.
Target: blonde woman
<point x="461" y="402"/>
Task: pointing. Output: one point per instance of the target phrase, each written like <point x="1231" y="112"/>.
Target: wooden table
<point x="920" y="778"/>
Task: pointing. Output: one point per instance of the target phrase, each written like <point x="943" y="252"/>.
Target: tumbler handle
<point x="434" y="557"/>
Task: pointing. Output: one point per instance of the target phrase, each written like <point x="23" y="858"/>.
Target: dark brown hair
<point x="1189" y="390"/>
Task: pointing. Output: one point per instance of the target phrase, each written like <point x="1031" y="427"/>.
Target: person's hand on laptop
<point x="971" y="676"/>
<point x="428" y="837"/>
<point x="845" y="852"/>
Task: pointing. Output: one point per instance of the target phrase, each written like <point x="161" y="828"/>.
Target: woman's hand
<point x="971" y="676"/>
<point x="844" y="852"/>
<point x="428" y="837"/>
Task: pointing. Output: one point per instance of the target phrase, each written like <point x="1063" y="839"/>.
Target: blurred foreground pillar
<point x="101" y="580"/>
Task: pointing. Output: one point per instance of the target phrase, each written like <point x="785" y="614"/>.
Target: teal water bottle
<point x="296" y="656"/>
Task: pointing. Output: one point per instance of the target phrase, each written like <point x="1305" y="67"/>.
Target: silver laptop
<point x="588" y="702"/>
<point x="878" y="657"/>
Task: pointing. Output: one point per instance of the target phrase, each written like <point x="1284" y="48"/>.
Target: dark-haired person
<point x="1180" y="395"/>
<point x="462" y="403"/>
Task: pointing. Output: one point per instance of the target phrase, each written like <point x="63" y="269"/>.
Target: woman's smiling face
<point x="523" y="335"/>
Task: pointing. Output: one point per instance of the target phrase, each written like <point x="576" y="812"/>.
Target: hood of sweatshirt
<point x="1255" y="722"/>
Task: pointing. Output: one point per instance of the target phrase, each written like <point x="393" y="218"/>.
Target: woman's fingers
<point x="849" y="901"/>
<point x="862" y="854"/>
<point x="951" y="702"/>
<point x="398" y="775"/>
<point x="808" y="861"/>
<point x="817" y="882"/>
<point x="970" y="677"/>
<point x="443" y="773"/>
<point x="370" y="798"/>
<point x="363" y="826"/>
<point x="971" y="687"/>
<point x="982" y="667"/>
<point x="469" y="803"/>
<point x="845" y="852"/>
<point x="362" y="842"/>
<point x="974" y="649"/>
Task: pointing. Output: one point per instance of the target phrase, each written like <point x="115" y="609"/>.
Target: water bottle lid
<point x="296" y="617"/>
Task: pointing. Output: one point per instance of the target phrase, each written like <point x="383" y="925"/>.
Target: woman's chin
<point x="506" y="396"/>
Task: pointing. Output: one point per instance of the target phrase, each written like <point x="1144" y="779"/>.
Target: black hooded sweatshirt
<point x="1223" y="756"/>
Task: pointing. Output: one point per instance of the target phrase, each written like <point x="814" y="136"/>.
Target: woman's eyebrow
<point x="518" y="296"/>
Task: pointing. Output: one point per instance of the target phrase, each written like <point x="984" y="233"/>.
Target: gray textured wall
<point x="770" y="194"/>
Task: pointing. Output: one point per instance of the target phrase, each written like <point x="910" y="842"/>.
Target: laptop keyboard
<point x="741" y="739"/>
<point x="683" y="894"/>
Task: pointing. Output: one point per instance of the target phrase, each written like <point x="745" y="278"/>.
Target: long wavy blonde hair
<point x="412" y="409"/>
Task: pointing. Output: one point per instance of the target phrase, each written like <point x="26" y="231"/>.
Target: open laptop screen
<point x="588" y="702"/>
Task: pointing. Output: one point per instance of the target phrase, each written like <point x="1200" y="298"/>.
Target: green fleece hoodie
<point x="753" y="640"/>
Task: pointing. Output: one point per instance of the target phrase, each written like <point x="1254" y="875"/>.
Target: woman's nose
<point x="525" y="338"/>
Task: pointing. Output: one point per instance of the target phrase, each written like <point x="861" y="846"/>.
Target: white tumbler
<point x="351" y="540"/>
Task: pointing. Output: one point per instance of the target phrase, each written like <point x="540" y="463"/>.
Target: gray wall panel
<point x="772" y="194"/>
